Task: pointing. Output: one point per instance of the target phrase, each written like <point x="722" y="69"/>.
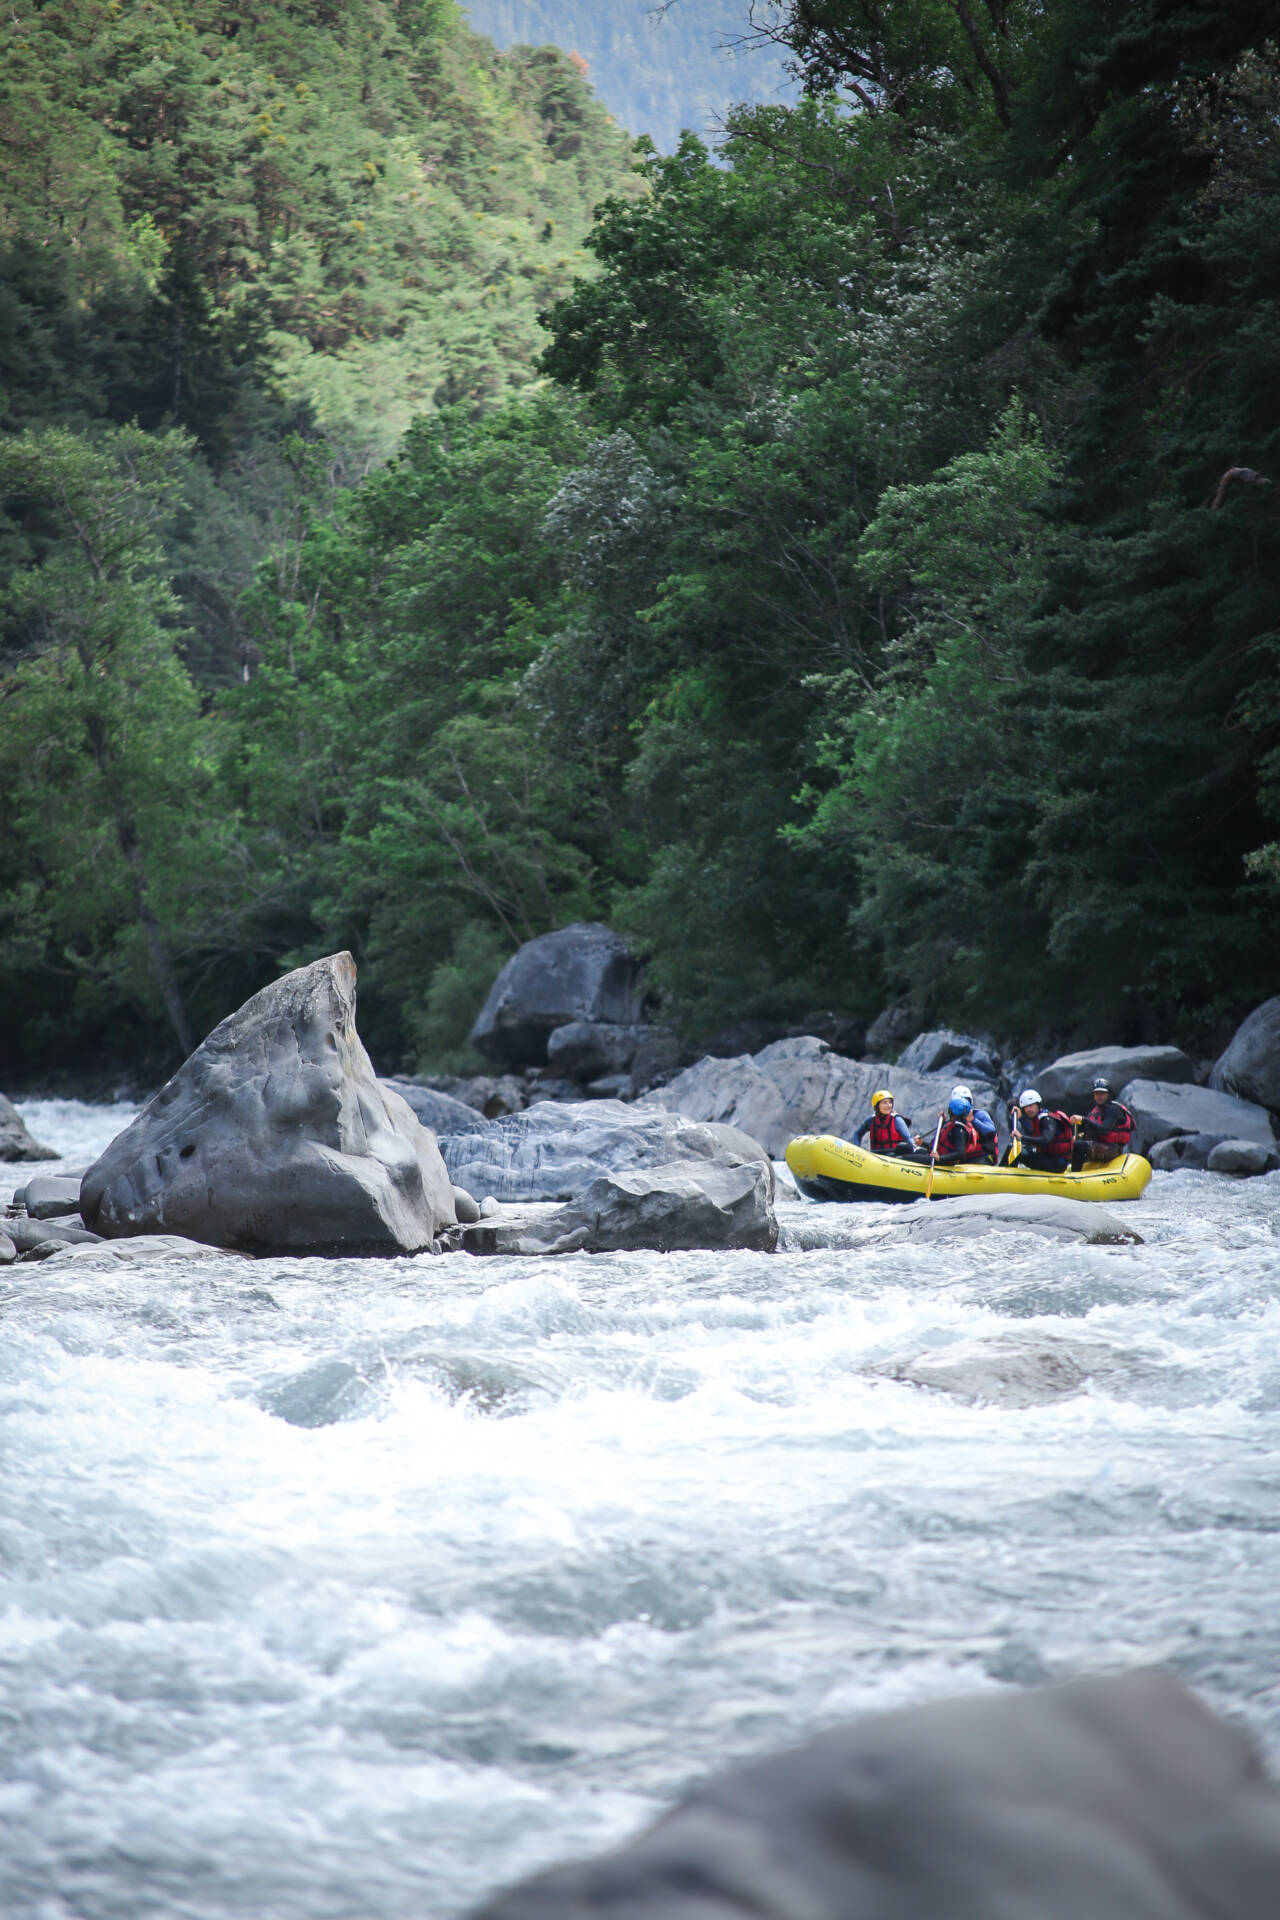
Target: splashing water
<point x="344" y="1588"/>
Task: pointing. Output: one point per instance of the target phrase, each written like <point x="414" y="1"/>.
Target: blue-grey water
<point x="343" y="1590"/>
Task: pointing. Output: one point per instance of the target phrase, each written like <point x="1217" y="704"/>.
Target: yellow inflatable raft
<point x="829" y="1169"/>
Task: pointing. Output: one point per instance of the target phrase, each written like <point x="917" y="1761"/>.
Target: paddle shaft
<point x="933" y="1159"/>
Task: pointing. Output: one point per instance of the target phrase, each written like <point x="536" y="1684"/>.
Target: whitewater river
<point x="353" y="1590"/>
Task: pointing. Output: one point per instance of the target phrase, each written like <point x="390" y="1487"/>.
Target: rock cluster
<point x="579" y="973"/>
<point x="42" y="1218"/>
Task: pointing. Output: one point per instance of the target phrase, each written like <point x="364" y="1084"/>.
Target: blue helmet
<point x="958" y="1106"/>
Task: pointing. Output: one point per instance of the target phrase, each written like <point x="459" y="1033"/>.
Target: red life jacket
<point x="1117" y="1137"/>
<point x="884" y="1133"/>
<point x="962" y="1137"/>
<point x="1060" y="1145"/>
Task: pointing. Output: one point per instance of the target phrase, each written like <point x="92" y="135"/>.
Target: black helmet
<point x="1101" y="1086"/>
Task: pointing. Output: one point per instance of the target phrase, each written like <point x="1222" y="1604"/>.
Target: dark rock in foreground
<point x="1110" y="1799"/>
<point x="689" y="1206"/>
<point x="275" y="1136"/>
<point x="583" y="972"/>
<point x="15" y="1142"/>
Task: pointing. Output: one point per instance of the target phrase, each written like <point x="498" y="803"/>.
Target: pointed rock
<point x="275" y="1136"/>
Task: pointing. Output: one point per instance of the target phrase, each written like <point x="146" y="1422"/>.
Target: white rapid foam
<point x="362" y="1588"/>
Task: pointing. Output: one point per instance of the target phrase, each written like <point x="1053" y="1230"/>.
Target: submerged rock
<point x="1121" y="1798"/>
<point x="801" y="1086"/>
<point x="276" y="1136"/>
<point x="1010" y="1371"/>
<point x="554" y="1150"/>
<point x="582" y="972"/>
<point x="1050" y="1215"/>
<point x="15" y="1142"/>
<point x="1161" y="1110"/>
<point x="684" y="1207"/>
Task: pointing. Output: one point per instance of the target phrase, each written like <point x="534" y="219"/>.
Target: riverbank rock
<point x="962" y="1055"/>
<point x="1161" y="1110"/>
<point x="1120" y="1798"/>
<point x="685" y="1207"/>
<point x="1183" y="1150"/>
<point x="890" y="1031"/>
<point x="34" y="1236"/>
<point x="582" y="972"/>
<point x="800" y="1086"/>
<point x="1250" y="1067"/>
<point x="1244" y="1158"/>
<point x="276" y="1137"/>
<point x="441" y="1112"/>
<point x="15" y="1142"/>
<point x="553" y="1151"/>
<point x="1068" y="1081"/>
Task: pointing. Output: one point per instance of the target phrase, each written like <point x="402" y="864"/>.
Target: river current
<point x="354" y="1590"/>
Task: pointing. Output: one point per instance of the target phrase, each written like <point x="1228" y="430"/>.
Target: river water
<point x="342" y="1590"/>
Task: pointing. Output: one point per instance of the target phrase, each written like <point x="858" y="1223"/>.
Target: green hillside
<point x="360" y="207"/>
<point x="658" y="70"/>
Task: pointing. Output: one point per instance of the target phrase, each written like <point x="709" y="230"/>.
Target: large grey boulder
<point x="1121" y="1798"/>
<point x="8" y="1251"/>
<point x="583" y="972"/>
<point x="943" y="1050"/>
<point x="554" y="1150"/>
<point x="689" y="1205"/>
<point x="1244" y="1158"/>
<point x="275" y="1136"/>
<point x="890" y="1031"/>
<point x="1190" y="1150"/>
<point x="15" y="1142"/>
<point x="1250" y="1067"/>
<point x="1050" y="1216"/>
<point x="1160" y="1110"/>
<point x="1068" y="1081"/>
<point x="801" y="1086"/>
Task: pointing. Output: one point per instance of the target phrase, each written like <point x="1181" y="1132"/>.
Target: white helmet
<point x="962" y="1093"/>
<point x="1031" y="1098"/>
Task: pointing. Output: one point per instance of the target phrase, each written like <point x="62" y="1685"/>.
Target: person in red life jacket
<point x="958" y="1139"/>
<point x="1105" y="1131"/>
<point x="889" y="1131"/>
<point x="1046" y="1135"/>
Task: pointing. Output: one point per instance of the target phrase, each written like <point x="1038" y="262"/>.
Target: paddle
<point x="933" y="1159"/>
<point x="1015" y="1144"/>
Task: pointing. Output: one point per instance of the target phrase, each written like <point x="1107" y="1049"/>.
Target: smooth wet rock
<point x="1244" y="1158"/>
<point x="441" y="1113"/>
<point x="15" y="1142"/>
<point x="465" y="1206"/>
<point x="685" y="1207"/>
<point x="553" y="1151"/>
<point x="1068" y="1081"/>
<point x="1119" y="1798"/>
<point x="145" y="1249"/>
<point x="1250" y="1066"/>
<point x="1161" y="1110"/>
<point x="801" y="1086"/>
<point x="582" y="972"/>
<point x="8" y="1250"/>
<point x="972" y="1216"/>
<point x="30" y="1235"/>
<point x="47" y="1195"/>
<point x="1012" y="1370"/>
<point x="275" y="1136"/>
<point x="1183" y="1150"/>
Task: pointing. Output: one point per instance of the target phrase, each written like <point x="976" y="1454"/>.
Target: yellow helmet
<point x="876" y="1098"/>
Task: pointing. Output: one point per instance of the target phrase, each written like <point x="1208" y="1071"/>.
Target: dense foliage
<point x="877" y="597"/>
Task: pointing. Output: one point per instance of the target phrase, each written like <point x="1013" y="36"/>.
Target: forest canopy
<point x="867" y="590"/>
